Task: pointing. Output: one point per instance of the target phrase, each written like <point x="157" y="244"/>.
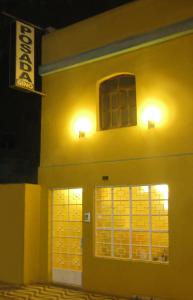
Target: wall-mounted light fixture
<point x="151" y="116"/>
<point x="82" y="126"/>
<point x="151" y="124"/>
<point x="81" y="134"/>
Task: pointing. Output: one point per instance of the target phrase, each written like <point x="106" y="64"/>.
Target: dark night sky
<point x="20" y="112"/>
<point x="57" y="13"/>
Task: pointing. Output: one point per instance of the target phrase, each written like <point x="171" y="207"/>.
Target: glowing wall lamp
<point x="151" y="116"/>
<point x="82" y="127"/>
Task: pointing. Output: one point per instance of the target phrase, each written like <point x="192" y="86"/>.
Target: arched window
<point x="117" y="102"/>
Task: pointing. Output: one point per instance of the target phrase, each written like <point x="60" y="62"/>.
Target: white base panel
<point x="67" y="277"/>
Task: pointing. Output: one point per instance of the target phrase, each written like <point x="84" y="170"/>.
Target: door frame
<point x="50" y="226"/>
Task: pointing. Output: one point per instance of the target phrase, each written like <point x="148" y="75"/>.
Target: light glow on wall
<point x="82" y="125"/>
<point x="153" y="113"/>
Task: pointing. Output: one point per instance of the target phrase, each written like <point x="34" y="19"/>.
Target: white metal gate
<point x="67" y="236"/>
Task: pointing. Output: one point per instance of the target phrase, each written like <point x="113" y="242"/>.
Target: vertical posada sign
<point x="23" y="65"/>
<point x="24" y="56"/>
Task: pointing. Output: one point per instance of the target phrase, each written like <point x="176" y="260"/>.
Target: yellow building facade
<point x="20" y="233"/>
<point x="116" y="203"/>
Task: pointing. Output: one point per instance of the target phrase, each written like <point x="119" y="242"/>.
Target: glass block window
<point x="131" y="222"/>
<point x="117" y="102"/>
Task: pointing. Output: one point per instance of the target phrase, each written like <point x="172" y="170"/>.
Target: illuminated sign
<point x="24" y="63"/>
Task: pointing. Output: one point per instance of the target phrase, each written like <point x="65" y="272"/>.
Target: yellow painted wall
<point x="128" y="20"/>
<point x="12" y="232"/>
<point x="172" y="281"/>
<point x="131" y="155"/>
<point x="32" y="234"/>
<point x="19" y="232"/>
<point x="163" y="77"/>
